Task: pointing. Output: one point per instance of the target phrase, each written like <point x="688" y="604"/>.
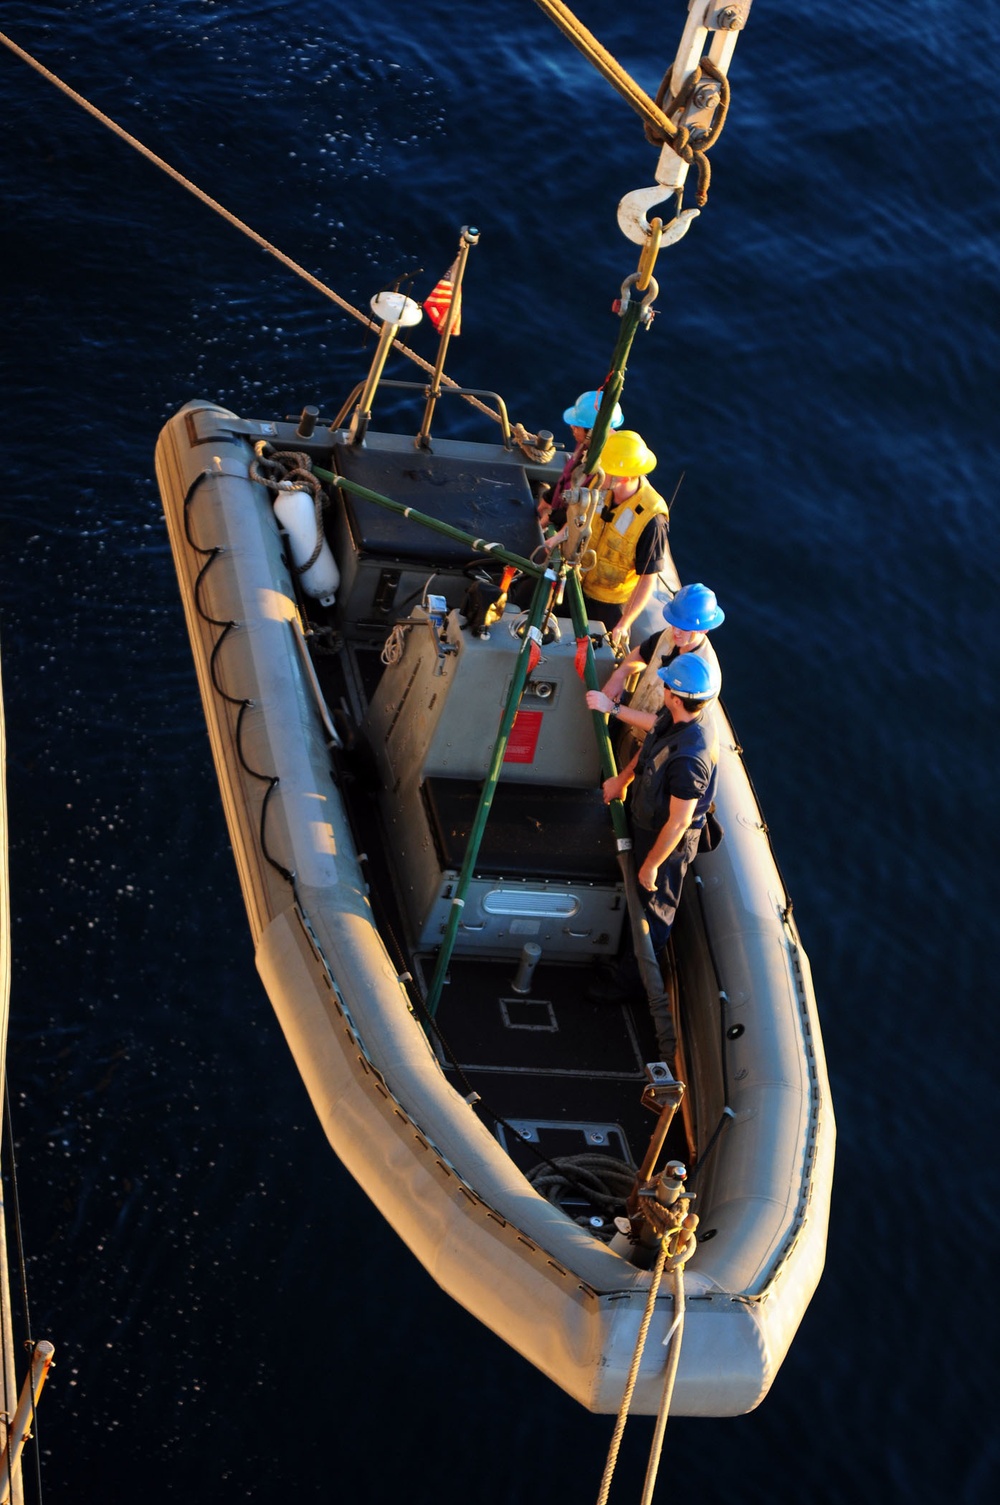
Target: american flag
<point x="438" y="302"/>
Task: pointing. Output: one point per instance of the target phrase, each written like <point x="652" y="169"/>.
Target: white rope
<point x="392" y="648"/>
<point x="673" y="1359"/>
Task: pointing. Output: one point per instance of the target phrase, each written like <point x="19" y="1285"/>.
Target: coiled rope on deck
<point x="236" y="222"/>
<point x="291" y="470"/>
<point x="604" y="1180"/>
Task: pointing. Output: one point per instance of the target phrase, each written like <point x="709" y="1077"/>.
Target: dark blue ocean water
<point x="232" y="1319"/>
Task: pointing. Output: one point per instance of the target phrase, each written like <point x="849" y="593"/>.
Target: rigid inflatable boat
<point x="529" y="1145"/>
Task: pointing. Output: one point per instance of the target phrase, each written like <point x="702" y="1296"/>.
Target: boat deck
<point x="565" y="1073"/>
<point x="557" y="1074"/>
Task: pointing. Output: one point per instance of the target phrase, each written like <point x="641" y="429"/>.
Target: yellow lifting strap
<point x="585" y="41"/>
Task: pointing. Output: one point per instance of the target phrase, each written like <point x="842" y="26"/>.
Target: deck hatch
<point x="531" y="903"/>
<point x="554" y="1032"/>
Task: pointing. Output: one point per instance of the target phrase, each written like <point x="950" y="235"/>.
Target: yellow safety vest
<point x="614" y="578"/>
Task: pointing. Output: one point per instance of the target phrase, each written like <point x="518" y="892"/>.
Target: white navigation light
<point x="396" y="308"/>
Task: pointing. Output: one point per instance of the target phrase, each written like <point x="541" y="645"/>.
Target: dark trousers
<point x="607" y="612"/>
<point x="661" y="904"/>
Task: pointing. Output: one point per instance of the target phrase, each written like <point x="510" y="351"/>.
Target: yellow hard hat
<point x="626" y="454"/>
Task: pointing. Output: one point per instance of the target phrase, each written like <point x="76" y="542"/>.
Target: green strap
<point x="539" y="606"/>
<point x="478" y="545"/>
<point x="631" y="319"/>
<point x="578" y="612"/>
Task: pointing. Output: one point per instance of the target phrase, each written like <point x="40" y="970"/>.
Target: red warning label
<point x="524" y="737"/>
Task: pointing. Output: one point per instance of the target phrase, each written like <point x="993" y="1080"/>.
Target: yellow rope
<point x="585" y="41"/>
<point x="633" y="1375"/>
<point x="239" y="224"/>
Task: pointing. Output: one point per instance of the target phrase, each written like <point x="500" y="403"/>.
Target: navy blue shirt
<point x="678" y="760"/>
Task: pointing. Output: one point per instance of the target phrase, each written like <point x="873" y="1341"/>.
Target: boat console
<point x="386" y="560"/>
<point x="431" y="725"/>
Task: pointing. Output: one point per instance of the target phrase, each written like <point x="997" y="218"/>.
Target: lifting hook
<point x="635" y="206"/>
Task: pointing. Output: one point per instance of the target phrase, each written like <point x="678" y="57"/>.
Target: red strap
<point x="581" y="656"/>
<point x="534" y="657"/>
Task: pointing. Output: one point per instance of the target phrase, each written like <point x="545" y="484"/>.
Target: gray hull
<point x="567" y="1302"/>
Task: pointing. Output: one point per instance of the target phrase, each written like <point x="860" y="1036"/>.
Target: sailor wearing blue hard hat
<point x="673" y="778"/>
<point x="583" y="414"/>
<point x="580" y="419"/>
<point x="690" y="616"/>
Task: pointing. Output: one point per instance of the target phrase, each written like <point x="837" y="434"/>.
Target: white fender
<point x="296" y="512"/>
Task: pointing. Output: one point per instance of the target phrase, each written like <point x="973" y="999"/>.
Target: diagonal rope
<point x="609" y="67"/>
<point x="245" y="229"/>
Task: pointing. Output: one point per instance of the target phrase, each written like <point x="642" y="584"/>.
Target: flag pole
<point x="468" y="238"/>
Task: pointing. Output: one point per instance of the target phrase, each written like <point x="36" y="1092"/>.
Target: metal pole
<point x="649" y="970"/>
<point x="19" y="1429"/>
<point x="539" y="606"/>
<point x="631" y="319"/>
<point x="672" y="1094"/>
<point x="468" y="237"/>
<point x="363" y="412"/>
<point x="394" y="309"/>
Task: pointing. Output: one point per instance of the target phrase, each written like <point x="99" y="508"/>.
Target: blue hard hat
<point x="692" y="677"/>
<point x="694" y="609"/>
<point x="584" y="411"/>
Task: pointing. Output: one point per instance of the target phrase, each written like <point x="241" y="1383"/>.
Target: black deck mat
<point x="554" y="1030"/>
<point x="569" y="1070"/>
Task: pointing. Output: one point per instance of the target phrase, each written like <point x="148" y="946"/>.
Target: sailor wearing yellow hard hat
<point x="629" y="536"/>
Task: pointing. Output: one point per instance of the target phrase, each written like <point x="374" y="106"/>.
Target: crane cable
<point x="660" y="129"/>
<point x="259" y="240"/>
